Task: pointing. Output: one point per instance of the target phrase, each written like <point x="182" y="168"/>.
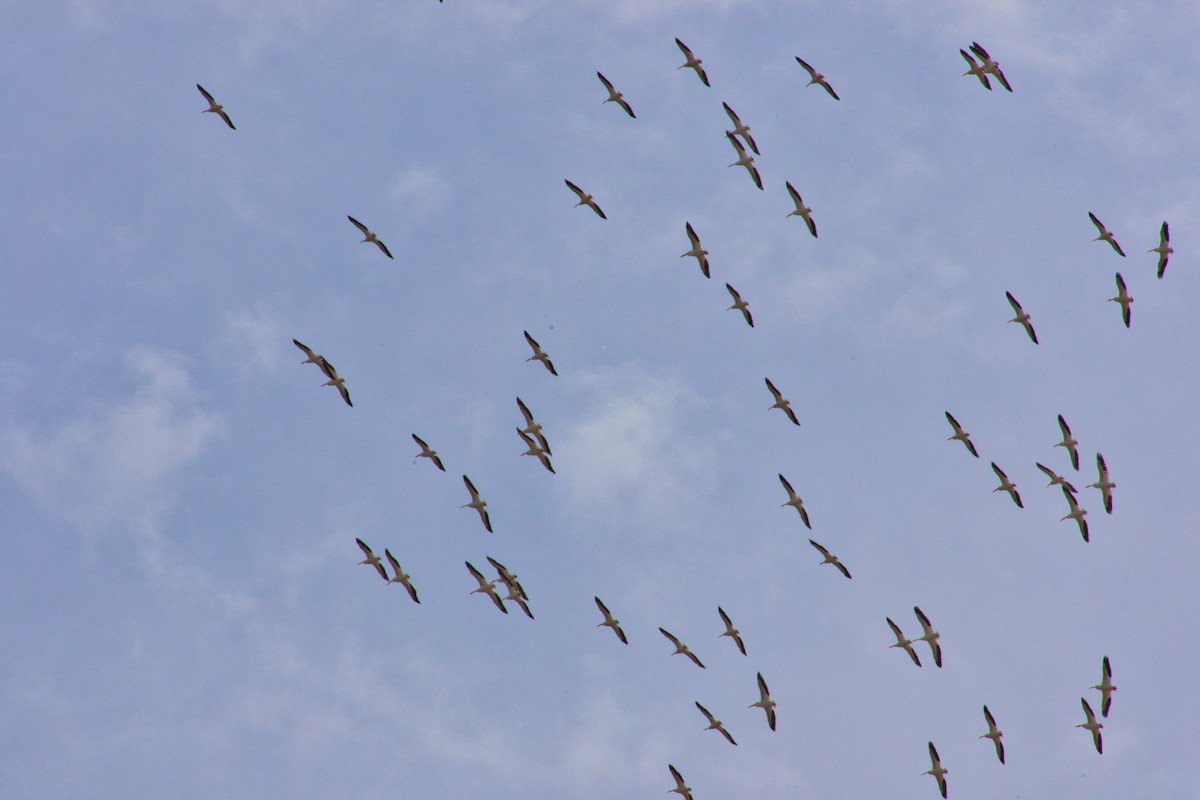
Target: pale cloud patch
<point x="421" y="194"/>
<point x="253" y="340"/>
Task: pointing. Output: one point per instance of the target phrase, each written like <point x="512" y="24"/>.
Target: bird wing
<point x="383" y="247"/>
<point x="207" y="96"/>
<point x="820" y="549"/>
<point x="791" y="492"/>
<point x="327" y="368"/>
<point x="623" y="103"/>
<point x="574" y="188"/>
<point x="1102" y="468"/>
<point x="711" y="719"/>
<point x="1164" y="235"/>
<point x="1099" y="225"/>
<point x="733" y="117"/>
<point x="969" y="58"/>
<point x="532" y="342"/>
<point x="791" y="415"/>
<point x="725" y="618"/>
<point x="978" y="50"/>
<point x="924" y="620"/>
<point x="392" y="560"/>
<point x="703" y="75"/>
<point x="812" y="73"/>
<point x="774" y="391"/>
<point x="999" y="473"/>
<point x="420" y="442"/>
<point x="603" y="609"/>
<point x="757" y="178"/>
<point x="550" y="366"/>
<point x="1012" y="301"/>
<point x="359" y="225"/>
<point x="832" y="93"/>
<point x="687" y="52"/>
<point x="896" y="630"/>
<point x="483" y="582"/>
<point x="812" y="225"/>
<point x="741" y="151"/>
<point x="842" y="568"/>
<point x="225" y="117"/>
<point x="1120" y="285"/>
<point x="607" y="84"/>
<point x="307" y="351"/>
<point x="470" y="488"/>
<point x="674" y="772"/>
<point x="379" y="568"/>
<point x="597" y="209"/>
<point x="692" y="656"/>
<point x="525" y="411"/>
<point x="933" y="756"/>
<point x="737" y="298"/>
<point x="667" y="634"/>
<point x="345" y="394"/>
<point x="691" y="234"/>
<point x="366" y="550"/>
<point x="999" y="73"/>
<point x="990" y="720"/>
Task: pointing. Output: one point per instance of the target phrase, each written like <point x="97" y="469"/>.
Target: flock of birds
<point x="537" y="445"/>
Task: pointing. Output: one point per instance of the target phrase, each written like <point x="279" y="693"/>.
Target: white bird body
<point x="903" y="642"/>
<point x="781" y="403"/>
<point x="610" y="622"/>
<point x="714" y="724"/>
<point x="973" y="68"/>
<point x="539" y="354"/>
<point x="744" y="160"/>
<point x="732" y="632"/>
<point x="740" y="128"/>
<point x="616" y="97"/>
<point x="1023" y="318"/>
<point x="765" y="702"/>
<point x="801" y="210"/>
<point x="681" y="648"/>
<point x="427" y="452"/>
<point x="1105" y="235"/>
<point x="1164" y="249"/>
<point x="1106" y="687"/>
<point x="1103" y="483"/>
<point x="533" y="427"/>
<point x="371" y="559"/>
<point x="937" y="770"/>
<point x="585" y="199"/>
<point x="1076" y="513"/>
<point x="1093" y="725"/>
<point x="994" y="734"/>
<point x="794" y="501"/>
<point x="681" y="788"/>
<point x="930" y="635"/>
<point x="830" y="558"/>
<point x="692" y="62"/>
<point x="369" y="236"/>
<point x="740" y="305"/>
<point x="486" y="587"/>
<point x="961" y="435"/>
<point x="817" y="78"/>
<point x="989" y="65"/>
<point x="214" y="107"/>
<point x="401" y="577"/>
<point x="1123" y="298"/>
<point x="1069" y="442"/>
<point x="477" y="503"/>
<point x="1007" y="486"/>
<point x="697" y="252"/>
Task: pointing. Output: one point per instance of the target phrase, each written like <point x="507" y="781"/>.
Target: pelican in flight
<point x="508" y="578"/>
<point x="961" y="435"/>
<point x="930" y="635"/>
<point x="371" y="559"/>
<point x="681" y="788"/>
<point x="610" y="622"/>
<point x="215" y="107"/>
<point x="989" y="65"/>
<point x="994" y="734"/>
<point x="1092" y="725"/>
<point x="1069" y="442"/>
<point x="973" y="68"/>
<point x="784" y="405"/>
<point x="1164" y="249"/>
<point x="1123" y="298"/>
<point x="477" y="503"/>
<point x="714" y="724"/>
<point x="1076" y="513"/>
<point x="937" y="771"/>
<point x="680" y="647"/>
<point x="535" y="449"/>
<point x="903" y="642"/>
<point x="699" y="253"/>
<point x="765" y="702"/>
<point x="794" y="501"/>
<point x="615" y="97"/>
<point x="1103" y="483"/>
<point x="740" y="305"/>
<point x="1105" y="235"/>
<point x="744" y="160"/>
<point x="817" y="78"/>
<point x="311" y="357"/>
<point x="369" y="236"/>
<point x="1106" y="688"/>
<point x="802" y="211"/>
<point x="539" y="354"/>
<point x="740" y="128"/>
<point x="335" y="380"/>
<point x="732" y="632"/>
<point x="1021" y="317"/>
<point x="533" y="428"/>
<point x="427" y="453"/>
<point x="830" y="558"/>
<point x="486" y="587"/>
<point x="1056" y="479"/>
<point x="1007" y="486"/>
<point x="585" y="199"/>
<point x="400" y="577"/>
<point x="692" y="62"/>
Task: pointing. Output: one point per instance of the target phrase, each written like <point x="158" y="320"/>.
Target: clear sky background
<point x="183" y="614"/>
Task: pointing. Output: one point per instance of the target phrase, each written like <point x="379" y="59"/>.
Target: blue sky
<point x="182" y="496"/>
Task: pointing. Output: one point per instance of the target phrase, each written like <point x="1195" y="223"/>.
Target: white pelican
<point x="335" y="380"/>
<point x="486" y="587"/>
<point x="740" y="128"/>
<point x="1076" y="513"/>
<point x="938" y="771"/>
<point x="539" y="354"/>
<point x="817" y="78"/>
<point x="740" y="305"/>
<point x="765" y="702"/>
<point x="699" y="253"/>
<point x="744" y="159"/>
<point x="615" y="97"/>
<point x="535" y="449"/>
<point x="1105" y="235"/>
<point x="1123" y="298"/>
<point x="692" y="62"/>
<point x="1007" y="486"/>
<point x="975" y="69"/>
<point x="961" y="435"/>
<point x="1056" y="479"/>
<point x="1103" y="483"/>
<point x="1106" y="688"/>
<point x="1164" y="248"/>
<point x="1069" y="442"/>
<point x="830" y="558"/>
<point x="508" y="578"/>
<point x="427" y="453"/>
<point x="312" y="358"/>
<point x="784" y="405"/>
<point x="477" y="503"/>
<point x="681" y="788"/>
<point x="903" y="642"/>
<point x="611" y="622"/>
<point x="680" y="647"/>
<point x="371" y="559"/>
<point x="400" y="577"/>
<point x="732" y="632"/>
<point x="802" y="211"/>
<point x="994" y="734"/>
<point x="1092" y="725"/>
<point x="215" y="107"/>
<point x="533" y="428"/>
<point x="1021" y="316"/>
<point x="930" y="635"/>
<point x="989" y="65"/>
<point x="794" y="501"/>
<point x="515" y="596"/>
<point x="714" y="724"/>
<point x="585" y="199"/>
<point x="369" y="236"/>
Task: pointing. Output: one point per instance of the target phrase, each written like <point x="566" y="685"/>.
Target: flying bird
<point x="611" y="622"/>
<point x="585" y="199"/>
<point x="1164" y="250"/>
<point x="539" y="354"/>
<point x="369" y="236"/>
<point x="1092" y="725"/>
<point x="486" y="587"/>
<point x="532" y="427"/>
<point x="427" y="453"/>
<point x="937" y="771"/>
<point x="1123" y="298"/>
<point x="784" y="405"/>
<point x="961" y="435"/>
<point x="765" y="702"/>
<point x="615" y="97"/>
<point x="740" y="305"/>
<point x="1021" y="317"/>
<point x="1007" y="486"/>
<point x="1103" y="483"/>
<point x="744" y="160"/>
<point x="714" y="724"/>
<point x="1056" y="479"/>
<point x="699" y="253"/>
<point x="214" y="107"/>
<point x="794" y="501"/>
<point x="371" y="559"/>
<point x="903" y="642"/>
<point x="508" y="578"/>
<point x="994" y="734"/>
<point x="535" y="449"/>
<point x="930" y="635"/>
<point x="830" y="558"/>
<point x="1106" y="688"/>
<point x="740" y="128"/>
<point x="817" y="78"/>
<point x="989" y="65"/>
<point x="311" y="357"/>
<point x="692" y="62"/>
<point x="477" y="503"/>
<point x="1068" y="442"/>
<point x="732" y="632"/>
<point x="1105" y="235"/>
<point x="335" y="380"/>
<point x="802" y="211"/>
<point x="1076" y="513"/>
<point x="976" y="69"/>
<point x="400" y="577"/>
<point x="681" y="788"/>
<point x="680" y="647"/>
<point x="515" y="596"/>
